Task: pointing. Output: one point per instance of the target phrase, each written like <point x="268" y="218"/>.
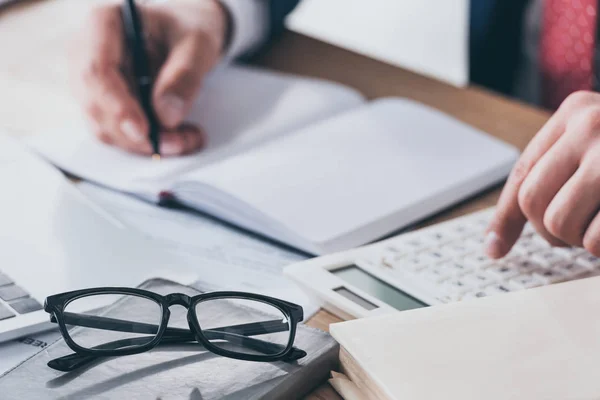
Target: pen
<point x="134" y="35"/>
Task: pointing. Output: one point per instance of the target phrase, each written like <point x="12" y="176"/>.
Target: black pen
<point x="134" y="35"/>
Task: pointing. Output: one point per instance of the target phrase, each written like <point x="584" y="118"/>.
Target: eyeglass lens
<point x="244" y="326"/>
<point x="115" y="327"/>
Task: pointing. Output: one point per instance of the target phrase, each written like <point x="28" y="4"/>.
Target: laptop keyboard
<point x="5" y="313"/>
<point x="14" y="300"/>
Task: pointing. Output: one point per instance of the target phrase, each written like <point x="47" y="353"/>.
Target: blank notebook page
<point x="238" y="107"/>
<point x="359" y="168"/>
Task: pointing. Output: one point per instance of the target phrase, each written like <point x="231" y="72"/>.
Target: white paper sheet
<point x="429" y="37"/>
<point x="15" y="352"/>
<point x="227" y="258"/>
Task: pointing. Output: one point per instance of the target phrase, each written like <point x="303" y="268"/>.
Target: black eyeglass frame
<point x="56" y="304"/>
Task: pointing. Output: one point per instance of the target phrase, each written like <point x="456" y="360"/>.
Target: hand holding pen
<point x="182" y="43"/>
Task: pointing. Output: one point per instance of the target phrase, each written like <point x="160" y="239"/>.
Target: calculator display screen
<point x="385" y="292"/>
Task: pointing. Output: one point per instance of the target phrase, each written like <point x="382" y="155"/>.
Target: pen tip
<point x="155" y="157"/>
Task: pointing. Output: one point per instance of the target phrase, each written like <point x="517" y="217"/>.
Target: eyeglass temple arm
<point x="119" y="325"/>
<point x="74" y="361"/>
<point x="241" y="331"/>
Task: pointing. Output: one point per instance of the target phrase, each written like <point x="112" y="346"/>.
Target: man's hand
<point x="184" y="41"/>
<point x="556" y="183"/>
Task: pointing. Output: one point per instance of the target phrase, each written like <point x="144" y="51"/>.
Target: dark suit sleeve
<point x="254" y="24"/>
<point x="495" y="42"/>
<point x="278" y="10"/>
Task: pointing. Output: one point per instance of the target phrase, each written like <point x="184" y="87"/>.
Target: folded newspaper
<point x="175" y="371"/>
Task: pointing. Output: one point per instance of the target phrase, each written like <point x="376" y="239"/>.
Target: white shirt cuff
<point x="250" y="26"/>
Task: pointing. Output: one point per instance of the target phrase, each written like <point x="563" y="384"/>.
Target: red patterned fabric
<point x="567" y="48"/>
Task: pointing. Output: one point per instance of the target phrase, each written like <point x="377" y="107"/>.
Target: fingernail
<point x="170" y="148"/>
<point x="172" y="110"/>
<point x="493" y="245"/>
<point x="132" y="131"/>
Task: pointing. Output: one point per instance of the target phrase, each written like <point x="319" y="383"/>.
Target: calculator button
<point x="477" y="260"/>
<point x="434" y="275"/>
<point x="438" y="255"/>
<point x="525" y="281"/>
<point x="527" y="246"/>
<point x="404" y="247"/>
<point x="525" y="265"/>
<point x="549" y="276"/>
<point x="498" y="289"/>
<point x="401" y="249"/>
<point x="456" y="268"/>
<point x="570" y="252"/>
<point x="475" y="243"/>
<point x="424" y="259"/>
<point x="461" y="230"/>
<point x="588" y="261"/>
<point x="456" y="286"/>
<point x="503" y="271"/>
<point x="450" y="298"/>
<point x="389" y="261"/>
<point x="445" y="299"/>
<point x="572" y="270"/>
<point x="438" y="238"/>
<point x="480" y="223"/>
<point x="392" y="251"/>
<point x="491" y="290"/>
<point x="547" y="258"/>
<point x="414" y="244"/>
<point x="478" y="294"/>
<point x="392" y="256"/>
<point x="478" y="279"/>
<point x="457" y="249"/>
<point x="411" y="264"/>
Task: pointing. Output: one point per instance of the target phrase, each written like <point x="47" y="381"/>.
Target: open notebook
<point x="303" y="161"/>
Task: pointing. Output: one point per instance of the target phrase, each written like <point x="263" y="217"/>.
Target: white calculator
<point x="440" y="264"/>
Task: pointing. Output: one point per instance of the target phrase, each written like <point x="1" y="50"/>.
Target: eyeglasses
<point x="238" y="325"/>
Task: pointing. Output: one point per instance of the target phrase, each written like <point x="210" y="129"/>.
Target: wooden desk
<point x="34" y="79"/>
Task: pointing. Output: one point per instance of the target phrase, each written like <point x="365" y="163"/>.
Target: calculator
<point x="441" y="264"/>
